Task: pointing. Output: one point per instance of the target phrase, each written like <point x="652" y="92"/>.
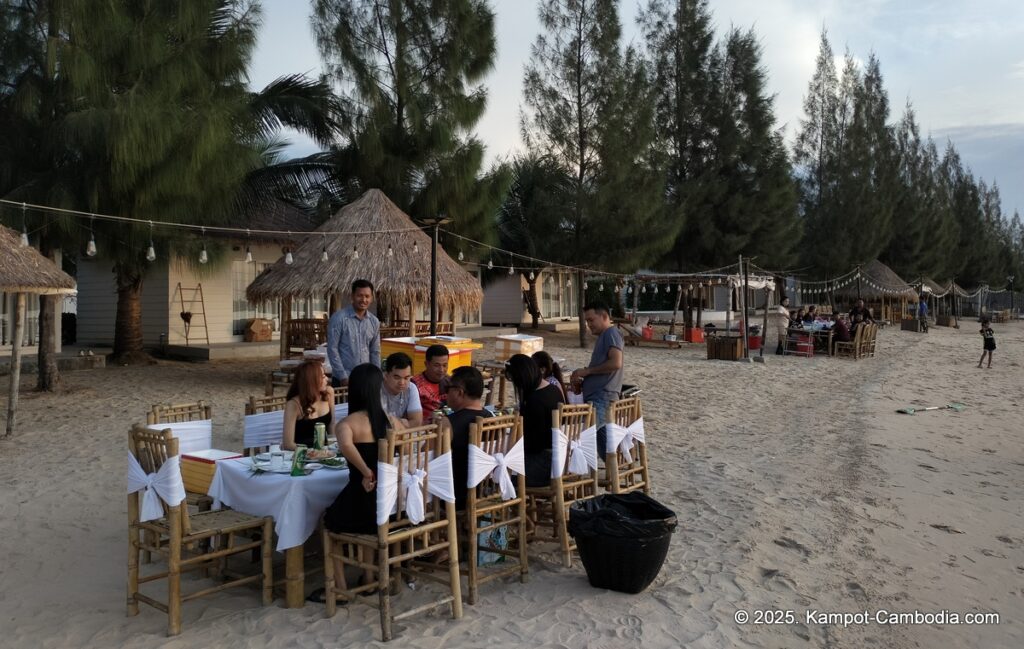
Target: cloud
<point x="1017" y="70"/>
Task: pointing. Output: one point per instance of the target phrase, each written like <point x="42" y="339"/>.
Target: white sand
<point x="796" y="484"/>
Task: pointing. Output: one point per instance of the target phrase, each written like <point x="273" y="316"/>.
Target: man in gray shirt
<point x="602" y="379"/>
<point x="399" y="395"/>
<point x="353" y="334"/>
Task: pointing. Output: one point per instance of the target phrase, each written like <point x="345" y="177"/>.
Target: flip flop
<point x="319" y="596"/>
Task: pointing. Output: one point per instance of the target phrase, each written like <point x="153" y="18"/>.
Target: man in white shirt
<point x="399" y="395"/>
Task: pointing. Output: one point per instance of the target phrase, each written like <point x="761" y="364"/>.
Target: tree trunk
<point x="675" y="310"/>
<point x="128" y="322"/>
<point x="16" y="335"/>
<point x="532" y="302"/>
<point x="49" y="379"/>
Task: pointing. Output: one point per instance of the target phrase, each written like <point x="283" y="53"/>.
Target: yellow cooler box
<point x="508" y="346"/>
<point x="198" y="467"/>
<point x="460" y="350"/>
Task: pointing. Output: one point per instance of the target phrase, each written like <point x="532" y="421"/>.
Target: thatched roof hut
<point x="878" y="281"/>
<point x="929" y="285"/>
<point x="23" y="270"/>
<point x="385" y="239"/>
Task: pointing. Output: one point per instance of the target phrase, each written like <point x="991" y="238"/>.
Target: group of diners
<point x="844" y="326"/>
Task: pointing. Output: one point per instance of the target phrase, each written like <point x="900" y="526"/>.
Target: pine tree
<point x="410" y="75"/>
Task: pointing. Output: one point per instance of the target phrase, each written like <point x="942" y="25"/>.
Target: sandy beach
<point x="797" y="487"/>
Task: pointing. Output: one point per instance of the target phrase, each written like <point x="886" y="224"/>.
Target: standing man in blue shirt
<point x="353" y="334"/>
<point x="602" y="379"/>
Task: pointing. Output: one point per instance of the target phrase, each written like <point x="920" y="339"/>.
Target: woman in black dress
<point x="310" y="402"/>
<point x="537" y="400"/>
<point x="354" y="511"/>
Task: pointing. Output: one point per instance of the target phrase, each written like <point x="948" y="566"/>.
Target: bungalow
<point x="505" y="298"/>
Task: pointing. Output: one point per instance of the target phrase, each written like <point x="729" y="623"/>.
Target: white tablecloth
<point x="294" y="503"/>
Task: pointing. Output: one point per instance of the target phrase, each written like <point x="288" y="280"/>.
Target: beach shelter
<point x="378" y="242"/>
<point x="879" y="284"/>
<point x="24" y="271"/>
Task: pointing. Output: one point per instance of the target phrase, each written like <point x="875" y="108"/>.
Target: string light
<point x="601" y="287"/>
<point x="203" y="257"/>
<point x="288" y="259"/>
<point x="643" y="289"/>
<point x="24" y="229"/>
<point x="655" y="289"/>
<point x="415" y="248"/>
<point x="511" y="270"/>
<point x="568" y="283"/>
<point x="150" y="251"/>
<point x="391" y="251"/>
<point x="248" y="250"/>
<point x="355" y="253"/>
<point x="462" y="257"/>
<point x="629" y="290"/>
<point x="532" y="277"/>
<point x="585" y="285"/>
<point x="490" y="264"/>
<point x="90" y="248"/>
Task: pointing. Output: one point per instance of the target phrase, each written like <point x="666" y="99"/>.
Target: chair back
<point x="572" y="420"/>
<point x="341" y="395"/>
<point x="264" y="423"/>
<point x="180" y="412"/>
<point x="625" y="411"/>
<point x="410" y="450"/>
<point x="494" y="435"/>
<point x="257" y="405"/>
<point x="151" y="448"/>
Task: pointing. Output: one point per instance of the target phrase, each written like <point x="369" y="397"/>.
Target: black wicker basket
<point x="623" y="539"/>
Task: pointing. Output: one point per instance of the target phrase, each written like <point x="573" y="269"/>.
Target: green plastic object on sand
<point x="959" y="407"/>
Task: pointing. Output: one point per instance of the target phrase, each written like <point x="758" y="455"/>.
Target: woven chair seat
<point x="221" y="521"/>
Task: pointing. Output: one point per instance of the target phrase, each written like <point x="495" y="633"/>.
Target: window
<point x="243" y="274"/>
<point x="30" y="324"/>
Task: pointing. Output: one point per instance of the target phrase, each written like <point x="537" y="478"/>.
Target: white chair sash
<point x="263" y="429"/>
<point x="582" y="454"/>
<point x="440" y="484"/>
<point x="192" y="435"/>
<point x="165" y="484"/>
<point x="499" y="466"/>
<point x="622" y="437"/>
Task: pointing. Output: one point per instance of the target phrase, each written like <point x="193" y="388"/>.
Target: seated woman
<point x="310" y="402"/>
<point x="550" y="371"/>
<point x="537" y="399"/>
<point x="798" y="319"/>
<point x="355" y="509"/>
<point x="812" y="313"/>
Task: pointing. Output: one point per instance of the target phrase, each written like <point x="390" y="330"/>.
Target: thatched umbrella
<point x="23" y="270"/>
<point x="386" y="247"/>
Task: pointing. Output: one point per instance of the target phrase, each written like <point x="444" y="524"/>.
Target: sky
<point x="960" y="64"/>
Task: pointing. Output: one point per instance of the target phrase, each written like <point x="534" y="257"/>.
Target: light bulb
<point x="617" y="288"/>
<point x="655" y="289"/>
<point x="532" y="276"/>
<point x="288" y="259"/>
<point x="601" y="287"/>
<point x="643" y="289"/>
<point x="203" y="257"/>
<point x="150" y="252"/>
<point x="391" y="252"/>
<point x="248" y="255"/>
<point x="585" y="286"/>
<point x="355" y="253"/>
<point x="90" y="248"/>
<point x="568" y="283"/>
<point x="24" y="237"/>
<point x="630" y="290"/>
<point x="490" y="265"/>
<point x="415" y="247"/>
<point x="511" y="270"/>
<point x="462" y="257"/>
<point x="323" y="255"/>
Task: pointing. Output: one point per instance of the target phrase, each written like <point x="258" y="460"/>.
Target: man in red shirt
<point x="432" y="382"/>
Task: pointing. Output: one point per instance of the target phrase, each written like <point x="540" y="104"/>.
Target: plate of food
<point x="315" y="455"/>
<point x="312" y="466"/>
<point x="334" y="463"/>
<point x="265" y="466"/>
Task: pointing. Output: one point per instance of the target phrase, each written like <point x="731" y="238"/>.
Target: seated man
<point x="398" y="395"/>
<point x="841" y="333"/>
<point x="430" y="382"/>
<point x="465" y="390"/>
<point x="859" y="310"/>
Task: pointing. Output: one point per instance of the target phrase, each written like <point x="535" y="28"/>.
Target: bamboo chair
<point x="549" y="506"/>
<point x="622" y="476"/>
<point x="487" y="511"/>
<point x="867" y="345"/>
<point x="259" y="405"/>
<point x="399" y="546"/>
<point x="173" y="535"/>
<point x="341" y="395"/>
<point x="851" y="348"/>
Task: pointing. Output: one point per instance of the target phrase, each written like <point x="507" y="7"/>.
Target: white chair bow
<point x="500" y="466"/>
<point x="165" y="484"/>
<point x="622" y="437"/>
<point x="440" y="484"/>
<point x="582" y="454"/>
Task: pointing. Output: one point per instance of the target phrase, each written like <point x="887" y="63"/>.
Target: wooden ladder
<point x="188" y="299"/>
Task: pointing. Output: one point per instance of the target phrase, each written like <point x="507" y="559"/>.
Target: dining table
<point x="296" y="504"/>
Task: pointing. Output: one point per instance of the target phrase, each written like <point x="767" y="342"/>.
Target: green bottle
<point x="298" y="457"/>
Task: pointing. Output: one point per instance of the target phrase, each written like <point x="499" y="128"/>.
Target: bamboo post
<point x="16" y="337"/>
<point x="286" y="314"/>
<point x="636" y="298"/>
<point x="746" y="311"/>
<point x="675" y="309"/>
<point x="700" y="304"/>
<point x="764" y="322"/>
<point x="412" y="318"/>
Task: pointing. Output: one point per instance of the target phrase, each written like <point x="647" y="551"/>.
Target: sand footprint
<point x="629" y="627"/>
<point x="790" y="544"/>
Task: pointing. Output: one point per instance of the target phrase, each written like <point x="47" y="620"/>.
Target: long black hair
<point x="548" y="366"/>
<point x="524" y="374"/>
<point x="364" y="386"/>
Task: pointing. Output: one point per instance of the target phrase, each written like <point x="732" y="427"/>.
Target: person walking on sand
<point x="989" y="338"/>
<point x="782" y="324"/>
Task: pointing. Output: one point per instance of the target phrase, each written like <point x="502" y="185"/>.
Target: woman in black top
<point x="310" y="402"/>
<point x="537" y="400"/>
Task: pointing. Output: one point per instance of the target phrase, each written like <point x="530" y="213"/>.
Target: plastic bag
<point x="629" y="515"/>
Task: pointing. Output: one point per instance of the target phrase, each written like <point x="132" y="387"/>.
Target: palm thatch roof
<point x="929" y="285"/>
<point x="24" y="270"/>
<point x="879" y="280"/>
<point x="401" y="278"/>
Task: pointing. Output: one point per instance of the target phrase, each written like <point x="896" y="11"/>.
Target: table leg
<point x="501" y="390"/>
<point x="295" y="578"/>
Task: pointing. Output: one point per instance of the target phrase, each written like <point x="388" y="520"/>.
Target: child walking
<point x="990" y="341"/>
